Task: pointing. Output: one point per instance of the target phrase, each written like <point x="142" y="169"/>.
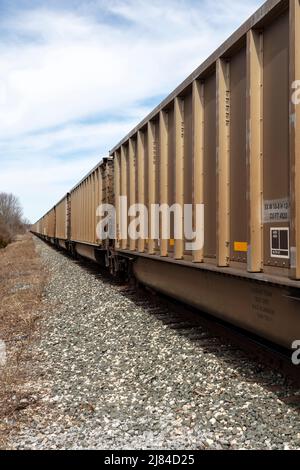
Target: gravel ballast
<point x="108" y="374"/>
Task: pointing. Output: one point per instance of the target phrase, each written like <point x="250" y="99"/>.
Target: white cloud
<point x="68" y="140"/>
<point x="41" y="183"/>
<point x="59" y="67"/>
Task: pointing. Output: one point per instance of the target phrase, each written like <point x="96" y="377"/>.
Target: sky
<point x="78" y="75"/>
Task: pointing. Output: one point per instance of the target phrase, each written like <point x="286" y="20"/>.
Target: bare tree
<point x="11" y="218"/>
<point x="11" y="211"/>
<point x="26" y="223"/>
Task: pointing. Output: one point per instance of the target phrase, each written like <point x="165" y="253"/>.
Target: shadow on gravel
<point x="199" y="328"/>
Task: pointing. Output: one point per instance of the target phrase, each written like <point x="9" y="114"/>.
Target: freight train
<point x="227" y="140"/>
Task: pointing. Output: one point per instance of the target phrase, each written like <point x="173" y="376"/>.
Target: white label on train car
<point x="280" y="243"/>
<point x="276" y="210"/>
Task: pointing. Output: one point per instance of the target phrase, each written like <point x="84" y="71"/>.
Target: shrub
<point x="5" y="235"/>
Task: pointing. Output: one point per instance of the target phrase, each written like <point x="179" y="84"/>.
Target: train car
<point x="226" y="145"/>
<point x="92" y="191"/>
<point x="62" y="221"/>
<point x="38" y="227"/>
<point x="227" y="139"/>
<point x="35" y="227"/>
<point x="49" y="224"/>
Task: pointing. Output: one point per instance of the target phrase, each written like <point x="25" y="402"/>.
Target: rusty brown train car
<point x="227" y="139"/>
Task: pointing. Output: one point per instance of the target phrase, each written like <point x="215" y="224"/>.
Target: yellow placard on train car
<point x="241" y="247"/>
<point x="172" y="242"/>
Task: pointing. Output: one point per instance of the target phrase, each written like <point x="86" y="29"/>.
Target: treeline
<point x="12" y="222"/>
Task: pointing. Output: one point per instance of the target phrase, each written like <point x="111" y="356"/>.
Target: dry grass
<point x="22" y="281"/>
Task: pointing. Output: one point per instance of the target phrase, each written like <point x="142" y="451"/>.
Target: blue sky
<point x="76" y="76"/>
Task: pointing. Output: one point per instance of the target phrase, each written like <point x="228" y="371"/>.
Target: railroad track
<point x="212" y="335"/>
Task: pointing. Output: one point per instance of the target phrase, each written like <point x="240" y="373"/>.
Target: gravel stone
<point x="108" y="373"/>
